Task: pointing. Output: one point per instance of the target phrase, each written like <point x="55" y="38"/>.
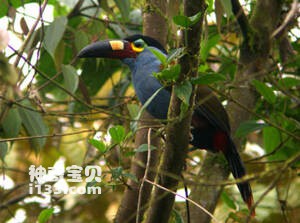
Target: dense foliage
<point x="58" y="110"/>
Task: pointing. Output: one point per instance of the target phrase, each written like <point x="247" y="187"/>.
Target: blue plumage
<point x="145" y="84"/>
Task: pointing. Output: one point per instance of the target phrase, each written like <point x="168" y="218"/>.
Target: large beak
<point x="118" y="49"/>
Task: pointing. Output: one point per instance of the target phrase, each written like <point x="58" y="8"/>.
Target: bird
<point x="210" y="128"/>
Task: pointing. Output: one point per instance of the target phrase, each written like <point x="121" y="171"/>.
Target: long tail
<point x="238" y="170"/>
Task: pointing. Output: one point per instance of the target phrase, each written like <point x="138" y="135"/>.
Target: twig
<point x="109" y="21"/>
<point x="286" y="165"/>
<point x="99" y="109"/>
<point x="188" y="199"/>
<point x="241" y="19"/>
<point x="291" y="15"/>
<point x="21" y="51"/>
<point x="52" y="81"/>
<point x="144" y="177"/>
<point x="187" y="204"/>
<point x="265" y="119"/>
<point x="46" y="136"/>
<point x="13" y="201"/>
<point x="270" y="153"/>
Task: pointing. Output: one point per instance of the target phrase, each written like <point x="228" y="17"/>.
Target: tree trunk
<point x="178" y="129"/>
<point x="155" y="26"/>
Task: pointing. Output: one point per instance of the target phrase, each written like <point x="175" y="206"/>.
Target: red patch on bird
<point x="250" y="204"/>
<point x="220" y="141"/>
<point x="127" y="52"/>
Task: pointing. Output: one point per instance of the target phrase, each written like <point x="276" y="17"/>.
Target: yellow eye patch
<point x="116" y="45"/>
<point x="137" y="49"/>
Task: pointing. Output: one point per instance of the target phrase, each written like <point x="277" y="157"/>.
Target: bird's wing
<point x="208" y="105"/>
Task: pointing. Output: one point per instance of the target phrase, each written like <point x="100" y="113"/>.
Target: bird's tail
<point x="238" y="171"/>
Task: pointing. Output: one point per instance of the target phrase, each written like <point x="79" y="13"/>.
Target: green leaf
<point x="71" y="79"/>
<point x="177" y="218"/>
<point x="124" y="7"/>
<point x="4" y="8"/>
<point x="227" y="67"/>
<point x="159" y="55"/>
<point x="183" y="91"/>
<point x="195" y="18"/>
<point x="54" y="33"/>
<point x="289" y="82"/>
<point x="271" y="138"/>
<point x="116" y="172"/>
<point x="210" y="5"/>
<point x="265" y="91"/>
<point x="11" y="123"/>
<point x="249" y="126"/>
<point x="228" y="201"/>
<point x="208" y="78"/>
<point x="182" y="21"/>
<point x="45" y="215"/>
<point x="207" y="44"/>
<point x="185" y="21"/>
<point x="183" y="109"/>
<point x="144" y="148"/>
<point x="104" y="70"/>
<point x="117" y="133"/>
<point x="81" y="39"/>
<point x="34" y="124"/>
<point x="227" y="7"/>
<point x="133" y="110"/>
<point x="169" y="74"/>
<point x="3" y="150"/>
<point x="175" y="54"/>
<point x="98" y="145"/>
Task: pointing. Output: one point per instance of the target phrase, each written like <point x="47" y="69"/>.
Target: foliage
<point x="54" y="106"/>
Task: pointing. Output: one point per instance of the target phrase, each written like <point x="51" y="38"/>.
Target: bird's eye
<point x="138" y="45"/>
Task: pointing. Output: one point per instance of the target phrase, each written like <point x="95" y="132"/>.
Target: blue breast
<point x="145" y="84"/>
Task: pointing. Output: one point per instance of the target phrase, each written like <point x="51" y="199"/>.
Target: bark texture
<point x="127" y="211"/>
<point x="177" y="139"/>
<point x="156" y="27"/>
<point x="155" y="22"/>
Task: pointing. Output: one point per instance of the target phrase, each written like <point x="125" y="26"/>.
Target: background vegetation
<point x="57" y="110"/>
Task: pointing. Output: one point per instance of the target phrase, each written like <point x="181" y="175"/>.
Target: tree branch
<point x="241" y="18"/>
<point x="177" y="133"/>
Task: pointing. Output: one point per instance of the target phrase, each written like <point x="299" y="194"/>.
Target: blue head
<point x="135" y="52"/>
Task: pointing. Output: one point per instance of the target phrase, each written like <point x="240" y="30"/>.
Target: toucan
<point x="210" y="128"/>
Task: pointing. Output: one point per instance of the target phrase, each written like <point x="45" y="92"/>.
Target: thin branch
<point x="110" y="21"/>
<point x="185" y="198"/>
<point x="264" y="118"/>
<point x="47" y="136"/>
<point x="144" y="177"/>
<point x="21" y="51"/>
<point x="272" y="152"/>
<point x="52" y="81"/>
<point x="241" y="18"/>
<point x="292" y="15"/>
<point x="286" y="165"/>
<point x="14" y="201"/>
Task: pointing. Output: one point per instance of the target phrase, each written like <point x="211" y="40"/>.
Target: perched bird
<point x="210" y="127"/>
